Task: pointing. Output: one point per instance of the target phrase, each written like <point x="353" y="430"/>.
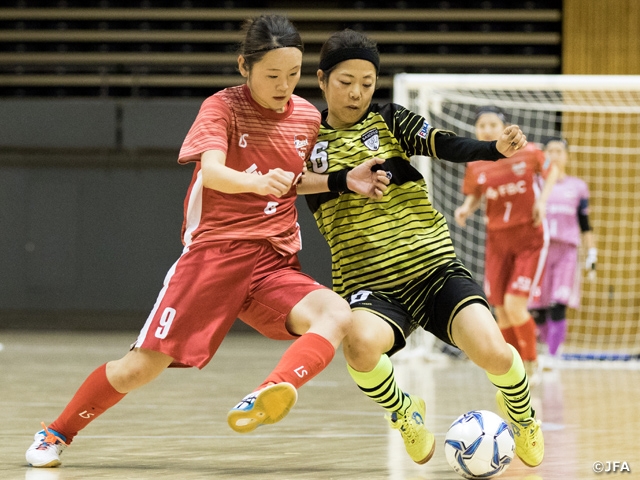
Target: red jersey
<point x="255" y="140"/>
<point x="510" y="185"/>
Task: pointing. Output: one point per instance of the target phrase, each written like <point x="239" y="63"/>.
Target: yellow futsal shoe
<point x="419" y="442"/>
<point x="265" y="406"/>
<point x="527" y="435"/>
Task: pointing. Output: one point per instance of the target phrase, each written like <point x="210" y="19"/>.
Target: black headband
<point x="349" y="53"/>
<point x="557" y="139"/>
<point x="490" y="109"/>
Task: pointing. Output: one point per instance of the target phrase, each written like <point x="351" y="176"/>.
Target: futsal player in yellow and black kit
<point x="392" y="256"/>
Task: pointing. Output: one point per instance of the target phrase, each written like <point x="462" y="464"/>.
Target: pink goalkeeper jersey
<point x="255" y="140"/>
<point x="568" y="197"/>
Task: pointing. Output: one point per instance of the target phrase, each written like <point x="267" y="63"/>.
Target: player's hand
<point x="276" y="182"/>
<point x="590" y="263"/>
<point x="461" y="214"/>
<point x="539" y="213"/>
<point x="365" y="181"/>
<point x="511" y="140"/>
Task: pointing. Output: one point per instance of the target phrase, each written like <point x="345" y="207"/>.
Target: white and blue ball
<point x="479" y="444"/>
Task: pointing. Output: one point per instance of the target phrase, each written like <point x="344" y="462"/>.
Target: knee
<point x="496" y="358"/>
<point x="510" y="312"/>
<point x="135" y="370"/>
<point x="331" y="318"/>
<point x="341" y="318"/>
<point x="516" y="312"/>
<point x="125" y="376"/>
<point x="361" y="350"/>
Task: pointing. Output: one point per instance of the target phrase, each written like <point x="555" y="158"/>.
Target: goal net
<point x="600" y="118"/>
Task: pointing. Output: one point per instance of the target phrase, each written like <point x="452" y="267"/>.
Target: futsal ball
<point x="479" y="444"/>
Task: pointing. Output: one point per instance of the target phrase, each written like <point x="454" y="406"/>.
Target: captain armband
<point x="337" y="181"/>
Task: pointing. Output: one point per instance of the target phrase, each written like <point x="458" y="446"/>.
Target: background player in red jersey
<point x="240" y="234"/>
<point x="517" y="240"/>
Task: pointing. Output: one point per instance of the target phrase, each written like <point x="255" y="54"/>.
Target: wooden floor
<point x="175" y="427"/>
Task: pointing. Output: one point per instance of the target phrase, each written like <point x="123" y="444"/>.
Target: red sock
<point x="510" y="337"/>
<point x="526" y="334"/>
<point x="302" y="361"/>
<point x="93" y="397"/>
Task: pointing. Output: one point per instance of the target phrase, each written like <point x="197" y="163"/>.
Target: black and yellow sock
<point x="514" y="386"/>
<point x="380" y="385"/>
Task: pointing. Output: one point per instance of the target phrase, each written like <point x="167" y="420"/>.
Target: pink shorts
<point x="560" y="284"/>
<point x="514" y="262"/>
<point x="214" y="283"/>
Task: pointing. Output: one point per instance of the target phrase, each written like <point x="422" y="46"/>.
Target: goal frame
<point x="418" y="93"/>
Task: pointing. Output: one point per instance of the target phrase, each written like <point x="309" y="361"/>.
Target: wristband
<point x="337" y="181"/>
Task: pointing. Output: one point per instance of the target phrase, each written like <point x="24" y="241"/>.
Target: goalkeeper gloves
<point x="590" y="262"/>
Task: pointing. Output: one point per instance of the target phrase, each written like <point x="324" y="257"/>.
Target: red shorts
<point x="214" y="283"/>
<point x="514" y="262"/>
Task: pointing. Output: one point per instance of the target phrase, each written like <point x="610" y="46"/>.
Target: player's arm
<point x="540" y="206"/>
<point x="417" y="137"/>
<point x="471" y="204"/>
<point x="363" y="179"/>
<point x="217" y="176"/>
<point x="589" y="243"/>
<point x="588" y="239"/>
<point x="461" y="149"/>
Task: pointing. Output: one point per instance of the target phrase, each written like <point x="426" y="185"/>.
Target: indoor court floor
<point x="175" y="427"/>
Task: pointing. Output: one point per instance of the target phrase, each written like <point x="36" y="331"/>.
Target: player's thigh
<point x="528" y="265"/>
<point x="453" y="297"/>
<point x="564" y="278"/>
<point x="380" y="325"/>
<point x="278" y="293"/>
<point x="476" y="333"/>
<point x="201" y="298"/>
<point x="497" y="268"/>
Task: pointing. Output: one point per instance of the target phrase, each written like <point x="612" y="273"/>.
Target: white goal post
<point x="600" y="118"/>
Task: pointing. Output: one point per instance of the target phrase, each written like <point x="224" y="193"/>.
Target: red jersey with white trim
<point x="510" y="185"/>
<point x="255" y="140"/>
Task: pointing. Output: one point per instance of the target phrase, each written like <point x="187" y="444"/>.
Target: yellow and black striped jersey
<point x="377" y="244"/>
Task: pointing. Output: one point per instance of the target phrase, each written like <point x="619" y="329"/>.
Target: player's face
<point x="348" y="91"/>
<point x="273" y="78"/>
<point x="489" y="127"/>
<point x="557" y="153"/>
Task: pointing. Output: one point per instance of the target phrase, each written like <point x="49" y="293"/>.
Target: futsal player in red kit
<point x="248" y="146"/>
<point x="517" y="238"/>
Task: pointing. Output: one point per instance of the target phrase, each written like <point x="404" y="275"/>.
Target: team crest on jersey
<point x="424" y="130"/>
<point x="302" y="144"/>
<point x="519" y="168"/>
<point x="371" y="139"/>
<point x="482" y="178"/>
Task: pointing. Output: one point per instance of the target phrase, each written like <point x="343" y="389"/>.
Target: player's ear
<point x="242" y="66"/>
<point x="321" y="79"/>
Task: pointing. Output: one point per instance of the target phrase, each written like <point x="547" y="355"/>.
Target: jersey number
<point x="318" y="157"/>
<point x="507" y="211"/>
<point x="165" y="322"/>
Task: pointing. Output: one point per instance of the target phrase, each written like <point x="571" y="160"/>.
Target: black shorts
<point x="431" y="303"/>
